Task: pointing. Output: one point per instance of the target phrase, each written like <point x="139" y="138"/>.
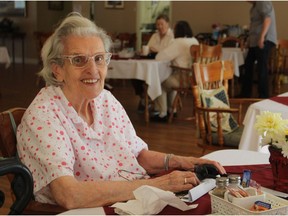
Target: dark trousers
<point x="261" y="56"/>
<point x="138" y="87"/>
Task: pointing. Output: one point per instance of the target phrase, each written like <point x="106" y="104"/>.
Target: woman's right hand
<point x="176" y="181"/>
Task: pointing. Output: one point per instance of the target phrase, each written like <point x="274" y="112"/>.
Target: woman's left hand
<point x="189" y="163"/>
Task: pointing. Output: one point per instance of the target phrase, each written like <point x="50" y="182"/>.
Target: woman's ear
<point x="57" y="71"/>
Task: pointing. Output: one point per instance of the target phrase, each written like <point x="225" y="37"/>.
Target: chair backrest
<point x="204" y="38"/>
<point x="231" y="41"/>
<point x="210" y="74"/>
<point x="145" y="37"/>
<point x="128" y="40"/>
<point x="7" y="134"/>
<point x="204" y="54"/>
<point x="8" y="149"/>
<point x="278" y="63"/>
<point x="41" y="38"/>
<point x="282" y="48"/>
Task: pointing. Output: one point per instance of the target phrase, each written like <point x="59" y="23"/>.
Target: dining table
<point x="151" y="71"/>
<point x="250" y="139"/>
<point x="235" y="54"/>
<point x="234" y="161"/>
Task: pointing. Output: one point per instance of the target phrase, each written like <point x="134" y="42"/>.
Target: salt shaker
<point x="221" y="186"/>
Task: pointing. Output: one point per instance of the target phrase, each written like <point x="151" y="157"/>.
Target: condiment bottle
<point x="234" y="180"/>
<point x="221" y="186"/>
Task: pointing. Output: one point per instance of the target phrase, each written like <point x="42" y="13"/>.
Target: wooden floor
<point x="18" y="88"/>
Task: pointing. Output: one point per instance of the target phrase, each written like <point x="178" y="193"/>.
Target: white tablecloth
<point x="151" y="71"/>
<point x="232" y="157"/>
<point x="4" y="57"/>
<point x="236" y="55"/>
<point x="250" y="139"/>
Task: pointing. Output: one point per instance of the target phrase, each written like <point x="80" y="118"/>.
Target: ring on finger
<point x="185" y="181"/>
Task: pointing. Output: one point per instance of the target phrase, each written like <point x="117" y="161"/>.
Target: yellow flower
<point x="273" y="129"/>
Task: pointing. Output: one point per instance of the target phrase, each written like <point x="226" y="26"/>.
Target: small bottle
<point x="234" y="180"/>
<point x="221" y="186"/>
<point x="235" y="188"/>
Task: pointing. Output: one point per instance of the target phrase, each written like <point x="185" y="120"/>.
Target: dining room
<point x="19" y="82"/>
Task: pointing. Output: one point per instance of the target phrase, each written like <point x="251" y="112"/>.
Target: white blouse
<point x="158" y="43"/>
<point x="53" y="141"/>
<point x="178" y="52"/>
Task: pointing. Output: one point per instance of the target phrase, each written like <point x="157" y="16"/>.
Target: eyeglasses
<point x="100" y="59"/>
<point x="129" y="176"/>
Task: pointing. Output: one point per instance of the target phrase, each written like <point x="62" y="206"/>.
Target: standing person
<point x="77" y="139"/>
<point x="178" y="52"/>
<point x="158" y="41"/>
<point x="262" y="37"/>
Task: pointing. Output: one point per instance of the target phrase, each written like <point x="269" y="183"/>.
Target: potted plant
<point x="274" y="132"/>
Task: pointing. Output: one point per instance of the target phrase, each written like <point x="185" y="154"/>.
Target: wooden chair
<point x="209" y="75"/>
<point x="22" y="185"/>
<point x="199" y="53"/>
<point x="204" y="38"/>
<point x="8" y="149"/>
<point x="41" y="38"/>
<point x="231" y="42"/>
<point x="278" y="63"/>
<point x="128" y="40"/>
<point x="145" y="37"/>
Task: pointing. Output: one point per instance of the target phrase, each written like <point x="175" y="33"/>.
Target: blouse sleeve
<point x="44" y="145"/>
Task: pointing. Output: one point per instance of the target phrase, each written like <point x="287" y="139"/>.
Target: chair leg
<point x="277" y="83"/>
<point x="176" y="101"/>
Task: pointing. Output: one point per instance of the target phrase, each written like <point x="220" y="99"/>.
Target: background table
<point x="250" y="139"/>
<point x="236" y="55"/>
<point x="232" y="157"/>
<point x="152" y="72"/>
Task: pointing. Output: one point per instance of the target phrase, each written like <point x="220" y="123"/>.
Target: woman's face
<point x="162" y="26"/>
<point x="85" y="82"/>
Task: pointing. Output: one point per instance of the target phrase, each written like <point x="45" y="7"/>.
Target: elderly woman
<point x="76" y="138"/>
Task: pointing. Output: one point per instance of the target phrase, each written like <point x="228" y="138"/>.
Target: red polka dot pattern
<point x="54" y="141"/>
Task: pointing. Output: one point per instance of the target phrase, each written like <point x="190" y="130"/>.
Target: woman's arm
<point x="71" y="193"/>
<point x="154" y="162"/>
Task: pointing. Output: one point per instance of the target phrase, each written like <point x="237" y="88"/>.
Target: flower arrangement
<point x="274" y="131"/>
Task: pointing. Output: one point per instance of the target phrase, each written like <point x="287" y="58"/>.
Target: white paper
<point x="204" y="187"/>
<point x="274" y="192"/>
<point x="150" y="200"/>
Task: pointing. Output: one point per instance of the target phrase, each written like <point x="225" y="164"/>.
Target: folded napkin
<point x="196" y="192"/>
<point x="204" y="187"/>
<point x="280" y="99"/>
<point x="150" y="200"/>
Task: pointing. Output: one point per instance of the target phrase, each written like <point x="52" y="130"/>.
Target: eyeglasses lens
<point x="99" y="59"/>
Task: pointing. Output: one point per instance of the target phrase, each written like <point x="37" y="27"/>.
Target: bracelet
<point x="166" y="161"/>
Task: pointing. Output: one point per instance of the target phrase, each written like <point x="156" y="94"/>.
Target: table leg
<point x="23" y="51"/>
<point x="13" y="50"/>
<point x="146" y="103"/>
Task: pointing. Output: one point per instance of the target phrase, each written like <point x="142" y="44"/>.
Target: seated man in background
<point x="77" y="139"/>
<point x="178" y="52"/>
<point x="158" y="41"/>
